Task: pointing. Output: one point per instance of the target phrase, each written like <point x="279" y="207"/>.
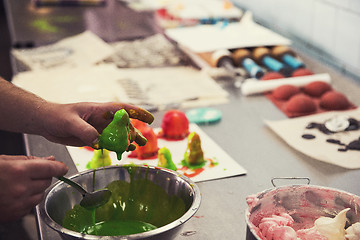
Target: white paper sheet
<point x="291" y="130"/>
<point x="83" y="49"/>
<point x="207" y="38"/>
<point x="226" y="165"/>
<point x="80" y="84"/>
<point x="175" y="86"/>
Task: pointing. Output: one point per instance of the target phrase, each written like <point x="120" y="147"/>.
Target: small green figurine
<point x="101" y="158"/>
<point x="116" y="136"/>
<point x="165" y="159"/>
<point x="194" y="154"/>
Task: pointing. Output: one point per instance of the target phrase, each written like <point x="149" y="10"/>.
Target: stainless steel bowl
<point x="62" y="197"/>
<point x="305" y="203"/>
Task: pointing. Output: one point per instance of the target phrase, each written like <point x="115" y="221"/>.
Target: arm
<point x="75" y="124"/>
<point x="18" y="109"/>
<point x="23" y="180"/>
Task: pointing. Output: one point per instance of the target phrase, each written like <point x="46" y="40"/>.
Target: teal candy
<point x="204" y="115"/>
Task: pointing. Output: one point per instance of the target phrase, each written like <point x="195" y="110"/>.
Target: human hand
<point x="79" y="124"/>
<point x="23" y="181"/>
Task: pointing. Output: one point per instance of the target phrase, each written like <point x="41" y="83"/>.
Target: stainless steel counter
<point x="244" y="136"/>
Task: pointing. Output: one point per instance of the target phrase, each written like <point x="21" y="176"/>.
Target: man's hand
<point x="79" y="124"/>
<point x="23" y="181"/>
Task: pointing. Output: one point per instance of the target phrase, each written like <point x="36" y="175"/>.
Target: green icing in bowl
<point x="134" y="207"/>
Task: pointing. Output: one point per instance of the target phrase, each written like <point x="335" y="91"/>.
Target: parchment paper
<point x="80" y="50"/>
<point x="291" y="130"/>
<point x="207" y="38"/>
<point x="178" y="86"/>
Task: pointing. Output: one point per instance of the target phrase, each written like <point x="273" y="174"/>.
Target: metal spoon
<point x="90" y="200"/>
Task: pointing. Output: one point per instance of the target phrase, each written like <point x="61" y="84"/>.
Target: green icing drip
<point x="115" y="137"/>
<point x="165" y="159"/>
<point x="194" y="155"/>
<point x="44" y="26"/>
<point x="134" y="207"/>
<point x="93" y="183"/>
<point x="101" y="158"/>
<point x="52" y="24"/>
<point x="93" y="217"/>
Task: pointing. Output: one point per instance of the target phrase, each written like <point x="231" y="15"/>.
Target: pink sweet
<point x="283" y="219"/>
<point x="272" y="75"/>
<point x="310" y="234"/>
<point x="252" y="200"/>
<point x="301" y="104"/>
<point x="285" y="92"/>
<point x="277" y="227"/>
<point x="285" y="233"/>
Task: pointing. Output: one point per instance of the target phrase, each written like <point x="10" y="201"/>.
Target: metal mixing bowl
<point x="305" y="203"/>
<point x="62" y="197"/>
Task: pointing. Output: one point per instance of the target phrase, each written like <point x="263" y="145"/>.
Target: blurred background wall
<point x="327" y="29"/>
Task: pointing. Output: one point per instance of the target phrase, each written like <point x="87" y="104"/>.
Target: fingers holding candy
<point x="120" y="133"/>
<point x="133" y="112"/>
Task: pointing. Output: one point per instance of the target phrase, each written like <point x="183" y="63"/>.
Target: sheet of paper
<point x="80" y="84"/>
<point x="149" y="52"/>
<point x="161" y="87"/>
<point x="188" y="9"/>
<point x="207" y="38"/>
<point x="291" y="131"/>
<point x="83" y="49"/>
<point x="225" y="165"/>
<point x="171" y="85"/>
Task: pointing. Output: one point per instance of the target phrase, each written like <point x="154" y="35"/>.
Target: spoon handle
<point x="74" y="185"/>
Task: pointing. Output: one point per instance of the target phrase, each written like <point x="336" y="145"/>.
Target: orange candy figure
<point x="150" y="149"/>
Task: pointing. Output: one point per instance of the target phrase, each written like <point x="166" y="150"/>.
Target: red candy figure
<point x="272" y="75"/>
<point x="174" y="126"/>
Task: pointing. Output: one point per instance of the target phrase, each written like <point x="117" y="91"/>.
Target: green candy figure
<point x="101" y="158"/>
<point x="194" y="155"/>
<point x="165" y="159"/>
<point x="116" y="136"/>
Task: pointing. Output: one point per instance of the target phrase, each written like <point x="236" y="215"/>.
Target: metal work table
<point x="30" y="26"/>
<point x="244" y="136"/>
